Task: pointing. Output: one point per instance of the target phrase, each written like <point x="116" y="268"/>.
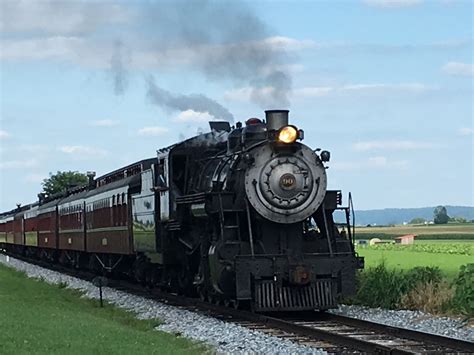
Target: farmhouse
<point x="405" y="239"/>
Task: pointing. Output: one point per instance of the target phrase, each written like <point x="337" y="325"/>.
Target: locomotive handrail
<point x="249" y="222"/>
<point x="327" y="230"/>
<point x="351" y="206"/>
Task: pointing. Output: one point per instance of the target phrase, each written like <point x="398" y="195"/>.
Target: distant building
<point x="405" y="239"/>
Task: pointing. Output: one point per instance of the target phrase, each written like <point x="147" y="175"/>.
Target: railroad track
<point x="333" y="333"/>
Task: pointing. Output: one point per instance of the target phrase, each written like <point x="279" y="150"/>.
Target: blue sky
<point x="386" y="86"/>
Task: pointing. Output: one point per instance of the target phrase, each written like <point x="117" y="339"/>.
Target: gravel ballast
<point x="225" y="337"/>
<point x="415" y="320"/>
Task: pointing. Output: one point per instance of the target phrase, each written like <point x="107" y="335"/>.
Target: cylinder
<point x="276" y="119"/>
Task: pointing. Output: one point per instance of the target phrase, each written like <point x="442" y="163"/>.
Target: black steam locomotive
<point x="237" y="216"/>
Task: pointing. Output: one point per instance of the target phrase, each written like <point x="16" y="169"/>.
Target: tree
<point x="418" y="220"/>
<point x="60" y="181"/>
<point x="440" y="215"/>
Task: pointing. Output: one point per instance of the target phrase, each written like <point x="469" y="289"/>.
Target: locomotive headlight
<point x="288" y="134"/>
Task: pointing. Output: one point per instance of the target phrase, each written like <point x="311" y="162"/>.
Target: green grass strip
<point x="39" y="318"/>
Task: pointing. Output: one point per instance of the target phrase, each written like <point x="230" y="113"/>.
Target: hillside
<point x="399" y="215"/>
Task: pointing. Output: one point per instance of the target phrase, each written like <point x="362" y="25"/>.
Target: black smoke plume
<point x="227" y="42"/>
<point x="179" y="102"/>
<point x="118" y="70"/>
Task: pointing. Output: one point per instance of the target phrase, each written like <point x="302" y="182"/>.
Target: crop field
<point x="456" y="231"/>
<point x="43" y="319"/>
<point x="407" y="258"/>
<point x="446" y="246"/>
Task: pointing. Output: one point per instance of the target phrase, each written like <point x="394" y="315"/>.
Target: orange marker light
<point x="288" y="134"/>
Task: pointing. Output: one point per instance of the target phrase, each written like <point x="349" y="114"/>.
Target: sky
<point x="385" y="85"/>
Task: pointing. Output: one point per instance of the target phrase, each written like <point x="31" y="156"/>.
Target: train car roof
<point x="19" y="210"/>
<point x="131" y="180"/>
<point x="73" y="197"/>
<point x="7" y="214"/>
<point x="128" y="181"/>
<point x="48" y="205"/>
<point x="146" y="164"/>
<point x="85" y="192"/>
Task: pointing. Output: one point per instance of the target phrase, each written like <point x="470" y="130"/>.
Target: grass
<point x="43" y="319"/>
<point x="449" y="264"/>
<point x="418" y="288"/>
<point x="391" y="276"/>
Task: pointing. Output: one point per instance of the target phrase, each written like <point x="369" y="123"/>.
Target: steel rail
<point x="412" y="334"/>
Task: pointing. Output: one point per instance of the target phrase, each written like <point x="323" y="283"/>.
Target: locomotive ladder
<point x="229" y="221"/>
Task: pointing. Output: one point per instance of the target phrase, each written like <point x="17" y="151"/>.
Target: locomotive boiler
<point x="238" y="215"/>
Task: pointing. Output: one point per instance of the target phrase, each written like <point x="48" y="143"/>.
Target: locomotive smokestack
<point x="276" y="119"/>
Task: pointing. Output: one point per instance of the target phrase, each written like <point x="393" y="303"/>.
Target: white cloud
<point x="193" y="116"/>
<point x="83" y="152"/>
<point x="465" y="131"/>
<point x="346" y="47"/>
<point x="4" y="134"/>
<point x="458" y="69"/>
<point x="315" y="91"/>
<point x="391" y="145"/>
<point x="152" y="131"/>
<point x="402" y="87"/>
<point x="59" y="17"/>
<point x="96" y="53"/>
<point x="18" y="164"/>
<point x="61" y="48"/>
<point x="287" y="43"/>
<point x="244" y="94"/>
<point x="104" y="123"/>
<point x="391" y="4"/>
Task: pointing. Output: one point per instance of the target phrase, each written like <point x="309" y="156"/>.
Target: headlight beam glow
<point x="288" y="134"/>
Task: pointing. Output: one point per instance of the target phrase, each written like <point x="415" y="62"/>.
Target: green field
<point x="448" y="263"/>
<point x="461" y="231"/>
<point x="43" y="319"/>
